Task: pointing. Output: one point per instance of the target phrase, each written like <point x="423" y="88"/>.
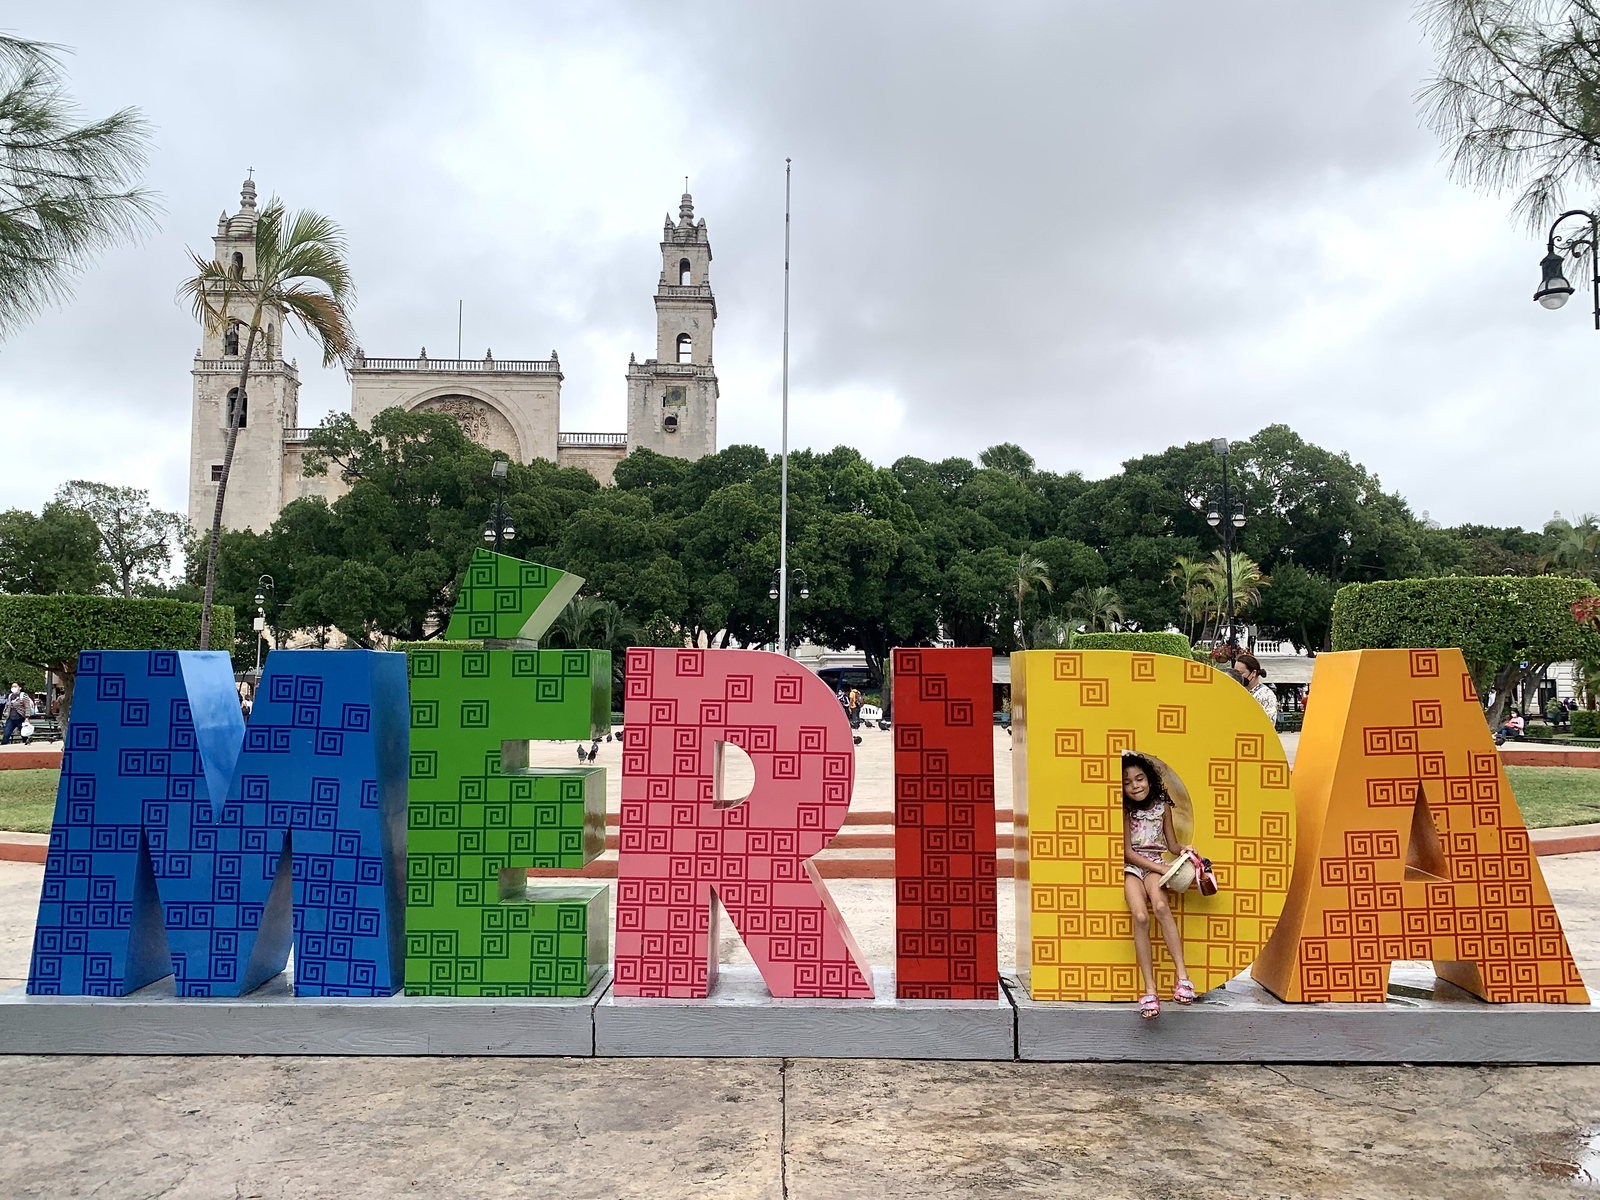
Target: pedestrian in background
<point x="1248" y="670"/>
<point x="18" y="708"/>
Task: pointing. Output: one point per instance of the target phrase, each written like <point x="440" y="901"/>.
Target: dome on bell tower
<point x="243" y="223"/>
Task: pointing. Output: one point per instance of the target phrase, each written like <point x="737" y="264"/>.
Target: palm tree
<point x="590" y="623"/>
<point x="1247" y="582"/>
<point x="67" y="190"/>
<point x="1193" y="581"/>
<point x="301" y="277"/>
<point x="1098" y="608"/>
<point x="1577" y="547"/>
<point x="1031" y="572"/>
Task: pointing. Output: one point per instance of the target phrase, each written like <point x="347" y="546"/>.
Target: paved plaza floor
<point x="489" y="1127"/>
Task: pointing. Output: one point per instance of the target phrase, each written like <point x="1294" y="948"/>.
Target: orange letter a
<point x="1411" y="845"/>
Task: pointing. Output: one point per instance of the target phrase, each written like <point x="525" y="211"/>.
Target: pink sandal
<point x="1149" y="1007"/>
<point x="1184" y="992"/>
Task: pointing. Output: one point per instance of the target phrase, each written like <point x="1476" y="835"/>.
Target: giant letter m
<point x="184" y="844"/>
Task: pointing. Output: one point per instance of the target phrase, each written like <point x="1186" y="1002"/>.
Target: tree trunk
<point x="68" y="671"/>
<point x="222" y="485"/>
<point x="1506" y="680"/>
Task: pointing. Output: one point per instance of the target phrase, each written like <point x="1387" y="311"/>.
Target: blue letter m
<point x="186" y="844"/>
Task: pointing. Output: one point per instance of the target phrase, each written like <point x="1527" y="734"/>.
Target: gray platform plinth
<point x="270" y="1020"/>
<point x="741" y="1019"/>
<point x="1424" y="1021"/>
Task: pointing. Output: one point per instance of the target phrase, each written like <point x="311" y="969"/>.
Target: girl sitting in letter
<point x="1148" y="834"/>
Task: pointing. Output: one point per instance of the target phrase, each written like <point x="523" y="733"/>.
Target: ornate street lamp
<point x="1226" y="519"/>
<point x="778" y="579"/>
<point x="499" y="530"/>
<point x="1554" y="289"/>
<point x="265" y="589"/>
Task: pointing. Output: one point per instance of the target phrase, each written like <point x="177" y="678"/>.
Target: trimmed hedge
<point x="1494" y="620"/>
<point x="436" y="644"/>
<point x="1539" y="733"/>
<point x="1585" y="724"/>
<point x="50" y="631"/>
<point x="1174" y="644"/>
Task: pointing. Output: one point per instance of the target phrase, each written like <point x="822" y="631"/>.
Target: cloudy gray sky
<point x="1092" y="227"/>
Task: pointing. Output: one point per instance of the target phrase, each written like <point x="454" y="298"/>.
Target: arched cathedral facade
<point x="507" y="405"/>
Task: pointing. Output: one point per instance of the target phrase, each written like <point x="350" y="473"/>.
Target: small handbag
<point x="1190" y="870"/>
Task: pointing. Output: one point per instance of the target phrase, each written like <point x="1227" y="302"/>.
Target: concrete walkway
<point x="465" y="1128"/>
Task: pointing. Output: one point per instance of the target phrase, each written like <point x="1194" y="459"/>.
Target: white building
<point x="508" y="405"/>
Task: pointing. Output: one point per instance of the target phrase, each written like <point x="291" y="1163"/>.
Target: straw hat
<point x="1180" y="875"/>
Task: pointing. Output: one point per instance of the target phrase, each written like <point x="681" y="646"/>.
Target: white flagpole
<point x="783" y="519"/>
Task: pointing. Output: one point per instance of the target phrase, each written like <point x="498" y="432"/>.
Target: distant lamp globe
<point x="508" y="531"/>
<point x="805" y="590"/>
<point x="488" y="533"/>
<point x="1554" y="289"/>
<point x="1213" y="517"/>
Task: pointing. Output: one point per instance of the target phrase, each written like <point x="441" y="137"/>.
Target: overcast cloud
<point x="1093" y="228"/>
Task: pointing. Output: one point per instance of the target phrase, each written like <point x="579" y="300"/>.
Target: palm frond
<point x="68" y="190"/>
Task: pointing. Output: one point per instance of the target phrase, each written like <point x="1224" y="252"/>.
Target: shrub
<point x="1498" y="622"/>
<point x="436" y="644"/>
<point x="1539" y="733"/>
<point x="1586" y="724"/>
<point x="1141" y="643"/>
<point x="50" y="631"/>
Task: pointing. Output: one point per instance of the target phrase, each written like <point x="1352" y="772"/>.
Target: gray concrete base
<point x="741" y="1019"/>
<point x="1424" y="1021"/>
<point x="271" y="1020"/>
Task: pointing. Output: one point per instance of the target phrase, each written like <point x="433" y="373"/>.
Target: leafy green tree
<point x="1507" y="628"/>
<point x="68" y="190"/>
<point x="1486" y="550"/>
<point x="1298" y="606"/>
<point x="382" y="561"/>
<point x="138" y="541"/>
<point x="56" y="551"/>
<point x="302" y="275"/>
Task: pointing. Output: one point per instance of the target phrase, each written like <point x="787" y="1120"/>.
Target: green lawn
<point x="28" y="800"/>
<point x="1556" y="795"/>
<point x="1547" y="796"/>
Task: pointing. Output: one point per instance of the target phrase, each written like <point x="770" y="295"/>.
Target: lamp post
<point x="499" y="530"/>
<point x="265" y="587"/>
<point x="1226" y="520"/>
<point x="1553" y="286"/>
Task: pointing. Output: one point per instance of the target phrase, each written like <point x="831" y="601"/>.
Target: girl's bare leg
<point x="1168" y="923"/>
<point x="1133" y="887"/>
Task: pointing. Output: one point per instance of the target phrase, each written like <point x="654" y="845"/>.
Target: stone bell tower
<point x="672" y="398"/>
<point x="270" y="407"/>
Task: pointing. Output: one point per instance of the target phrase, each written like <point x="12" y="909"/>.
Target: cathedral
<point x="510" y="405"/>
